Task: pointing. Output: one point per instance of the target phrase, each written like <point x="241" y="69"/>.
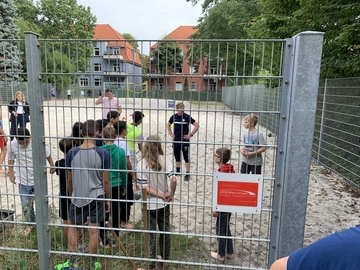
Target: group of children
<point x="97" y="182"/>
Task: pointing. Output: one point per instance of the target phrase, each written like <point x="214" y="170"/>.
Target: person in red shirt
<point x="225" y="245"/>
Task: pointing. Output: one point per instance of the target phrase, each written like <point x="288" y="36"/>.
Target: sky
<point x="144" y="19"/>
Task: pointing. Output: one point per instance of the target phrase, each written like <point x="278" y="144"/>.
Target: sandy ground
<point x="331" y="205"/>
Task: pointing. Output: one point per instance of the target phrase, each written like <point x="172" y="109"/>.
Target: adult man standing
<point x="109" y="103"/>
<point x="181" y="136"/>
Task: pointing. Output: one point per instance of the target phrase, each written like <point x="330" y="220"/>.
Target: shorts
<point x="2" y="142"/>
<point x="94" y="210"/>
<point x="64" y="207"/>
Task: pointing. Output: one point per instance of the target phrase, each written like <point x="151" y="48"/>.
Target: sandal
<point x="216" y="256"/>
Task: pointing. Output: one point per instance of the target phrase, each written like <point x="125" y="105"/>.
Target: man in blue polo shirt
<point x="181" y="136"/>
<point x="337" y="251"/>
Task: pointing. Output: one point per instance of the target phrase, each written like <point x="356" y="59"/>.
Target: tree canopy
<point x="11" y="63"/>
<point x="59" y="19"/>
<point x="226" y="20"/>
<point x="167" y="56"/>
<point x="339" y="20"/>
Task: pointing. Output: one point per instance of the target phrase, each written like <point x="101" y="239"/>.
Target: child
<point x="134" y="134"/>
<point x="181" y="137"/>
<point x="225" y="246"/>
<point x="125" y="205"/>
<point x="88" y="181"/>
<point x="156" y="171"/>
<point x="99" y="139"/>
<point x="118" y="180"/>
<point x="112" y="117"/>
<point x="251" y="151"/>
<point x="3" y="145"/>
<point x="21" y="150"/>
<point x="65" y="145"/>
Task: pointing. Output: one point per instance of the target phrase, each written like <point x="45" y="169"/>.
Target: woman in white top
<point x="20" y="112"/>
<point x="155" y="172"/>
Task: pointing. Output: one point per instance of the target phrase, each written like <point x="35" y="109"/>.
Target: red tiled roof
<point x="182" y="33"/>
<point x="106" y="33"/>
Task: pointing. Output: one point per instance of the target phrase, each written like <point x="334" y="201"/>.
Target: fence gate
<point x="219" y="82"/>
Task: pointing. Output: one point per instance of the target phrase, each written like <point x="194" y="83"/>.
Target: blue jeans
<point x="27" y="201"/>
<point x="21" y="121"/>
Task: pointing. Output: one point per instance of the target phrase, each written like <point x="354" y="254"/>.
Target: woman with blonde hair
<point x="156" y="172"/>
<point x="20" y="112"/>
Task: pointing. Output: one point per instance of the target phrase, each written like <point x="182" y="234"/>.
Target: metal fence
<point x="336" y="138"/>
<point x="258" y="239"/>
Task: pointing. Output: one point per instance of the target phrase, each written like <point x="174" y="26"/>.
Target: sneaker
<point x="97" y="266"/>
<point x="62" y="266"/>
<point x="66" y="265"/>
<point x="187" y="177"/>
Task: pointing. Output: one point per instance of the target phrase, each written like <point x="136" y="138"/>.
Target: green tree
<point x="10" y="64"/>
<point x="144" y="58"/>
<point x="59" y="19"/>
<point x="167" y="56"/>
<point x="339" y="20"/>
<point x="226" y="20"/>
<point x="132" y="40"/>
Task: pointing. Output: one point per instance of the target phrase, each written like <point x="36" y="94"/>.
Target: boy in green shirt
<point x="117" y="178"/>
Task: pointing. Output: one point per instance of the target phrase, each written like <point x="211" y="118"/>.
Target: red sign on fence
<point x="240" y="193"/>
<point x="237" y="193"/>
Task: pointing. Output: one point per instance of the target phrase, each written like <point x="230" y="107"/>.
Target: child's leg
<point x="66" y="231"/>
<point x="164" y="226"/>
<point x="72" y="236"/>
<point x="222" y="222"/>
<point x="2" y="156"/>
<point x="103" y="232"/>
<point x="152" y="215"/>
<point x="115" y="209"/>
<point x="125" y="212"/>
<point x="93" y="237"/>
<point x="27" y="202"/>
<point x="177" y="150"/>
<point x="229" y="242"/>
<point x="96" y="214"/>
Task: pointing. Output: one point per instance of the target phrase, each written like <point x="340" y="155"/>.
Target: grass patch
<point x="184" y="249"/>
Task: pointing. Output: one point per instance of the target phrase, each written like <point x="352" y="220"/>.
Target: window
<point x="159" y="86"/>
<point x="116" y="68"/>
<point x="192" y="70"/>
<point x="192" y="86"/>
<point x="212" y="71"/>
<point x="97" y="82"/>
<point x="116" y="50"/>
<point x="178" y="86"/>
<point x="83" y="82"/>
<point x="97" y="67"/>
<point x="96" y="51"/>
<point x="179" y="70"/>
